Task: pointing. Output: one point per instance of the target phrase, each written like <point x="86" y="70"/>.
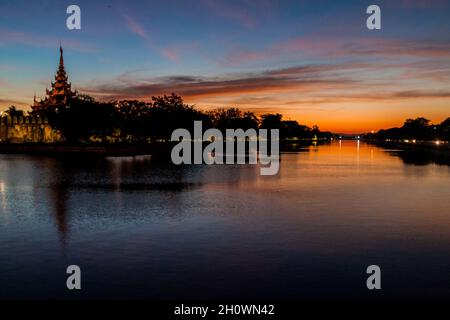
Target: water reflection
<point x="139" y="226"/>
<point x="114" y="174"/>
<point x="58" y="199"/>
<point x="3" y="201"/>
<point x="143" y="174"/>
<point x="423" y="158"/>
<point x="65" y="177"/>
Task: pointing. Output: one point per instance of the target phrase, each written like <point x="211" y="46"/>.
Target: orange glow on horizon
<point x="340" y="117"/>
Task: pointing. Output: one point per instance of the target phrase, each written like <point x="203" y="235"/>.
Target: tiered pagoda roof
<point x="60" y="92"/>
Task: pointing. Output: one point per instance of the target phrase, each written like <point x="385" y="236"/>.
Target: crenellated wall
<point x="27" y="129"/>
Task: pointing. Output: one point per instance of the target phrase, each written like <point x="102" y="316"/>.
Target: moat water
<point x="139" y="228"/>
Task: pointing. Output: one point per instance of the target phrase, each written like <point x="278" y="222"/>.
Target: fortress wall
<point x="27" y="129"/>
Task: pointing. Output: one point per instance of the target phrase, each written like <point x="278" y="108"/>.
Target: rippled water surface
<point x="142" y="229"/>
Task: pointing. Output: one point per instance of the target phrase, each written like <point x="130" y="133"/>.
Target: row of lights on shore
<point x="436" y="142"/>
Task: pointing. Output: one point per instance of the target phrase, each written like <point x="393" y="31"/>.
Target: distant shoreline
<point x="85" y="150"/>
<point x="428" y="146"/>
<point x="164" y="148"/>
<point x="156" y="148"/>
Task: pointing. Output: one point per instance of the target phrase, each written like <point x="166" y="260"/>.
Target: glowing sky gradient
<point x="313" y="61"/>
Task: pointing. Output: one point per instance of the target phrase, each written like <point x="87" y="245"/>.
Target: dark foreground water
<point x="141" y="229"/>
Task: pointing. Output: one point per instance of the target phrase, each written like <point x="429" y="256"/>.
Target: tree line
<point x="420" y="129"/>
<point x="138" y="122"/>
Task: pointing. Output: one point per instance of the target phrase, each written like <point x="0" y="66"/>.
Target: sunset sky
<point x="312" y="61"/>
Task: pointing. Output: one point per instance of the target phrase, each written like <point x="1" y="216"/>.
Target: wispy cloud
<point x="136" y="28"/>
<point x="9" y="102"/>
<point x="307" y="84"/>
<point x="325" y="47"/>
<point x="171" y="52"/>
<point x="196" y="86"/>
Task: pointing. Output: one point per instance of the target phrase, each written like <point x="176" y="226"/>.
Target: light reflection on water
<point x="143" y="229"/>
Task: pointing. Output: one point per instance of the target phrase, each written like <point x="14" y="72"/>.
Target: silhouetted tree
<point x="169" y="112"/>
<point x="133" y="118"/>
<point x="141" y="122"/>
<point x="233" y="118"/>
<point x="14" y="112"/>
<point x="271" y="121"/>
<point x="418" y="128"/>
<point x="81" y="118"/>
<point x="292" y="129"/>
<point x="444" y="130"/>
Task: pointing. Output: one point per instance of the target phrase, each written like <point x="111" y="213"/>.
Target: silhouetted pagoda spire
<point x="60" y="92"/>
<point x="61" y="57"/>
